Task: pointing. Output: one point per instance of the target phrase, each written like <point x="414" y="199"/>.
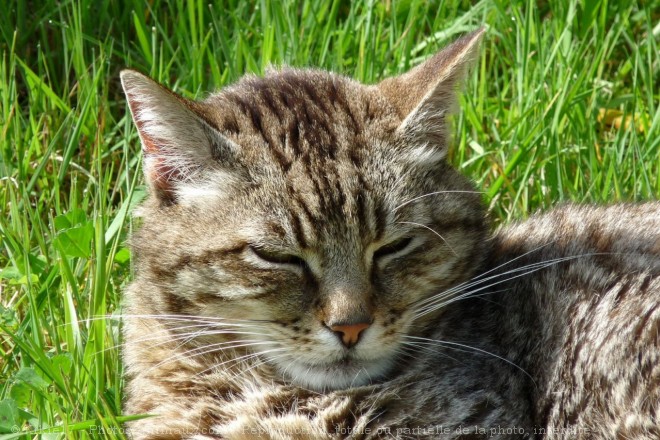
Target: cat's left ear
<point x="182" y="150"/>
<point x="426" y="94"/>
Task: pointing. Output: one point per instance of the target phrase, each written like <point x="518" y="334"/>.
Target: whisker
<point x="200" y="351"/>
<point x="433" y="303"/>
<point x="240" y="358"/>
<point x="538" y="248"/>
<point x="268" y="359"/>
<point x="407" y="351"/>
<point x="526" y="270"/>
<point x="414" y="345"/>
<point x="469" y="347"/>
<point x="434" y="231"/>
<point x="433" y="194"/>
<point x="165" y="337"/>
<point x="227" y="345"/>
<point x="188" y="336"/>
<point x="199" y="318"/>
<point x="479" y="278"/>
<point x="357" y="374"/>
<point x="207" y="326"/>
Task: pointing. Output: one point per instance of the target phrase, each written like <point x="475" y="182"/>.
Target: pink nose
<point x="349" y="333"/>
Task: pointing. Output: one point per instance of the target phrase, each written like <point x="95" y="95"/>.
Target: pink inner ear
<point x="161" y="175"/>
<point x="148" y="144"/>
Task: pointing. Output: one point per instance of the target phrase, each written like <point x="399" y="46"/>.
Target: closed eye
<point x="392" y="248"/>
<point x="278" y="257"/>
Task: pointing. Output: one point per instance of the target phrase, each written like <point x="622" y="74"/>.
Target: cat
<point x="310" y="266"/>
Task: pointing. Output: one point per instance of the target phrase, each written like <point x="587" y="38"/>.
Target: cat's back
<point x="627" y="228"/>
<point x="585" y="319"/>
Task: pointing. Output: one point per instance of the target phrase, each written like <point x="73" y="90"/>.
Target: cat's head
<point x="309" y="214"/>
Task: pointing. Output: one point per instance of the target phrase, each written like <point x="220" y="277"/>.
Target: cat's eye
<point x="278" y="257"/>
<point x="392" y="248"/>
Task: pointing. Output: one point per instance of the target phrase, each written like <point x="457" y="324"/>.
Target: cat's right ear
<point x="178" y="145"/>
<point x="426" y="94"/>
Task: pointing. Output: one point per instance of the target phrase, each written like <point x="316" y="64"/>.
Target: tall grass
<point x="562" y="105"/>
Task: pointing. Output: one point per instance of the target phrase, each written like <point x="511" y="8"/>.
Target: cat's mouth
<point x="346" y="362"/>
<point x="346" y="372"/>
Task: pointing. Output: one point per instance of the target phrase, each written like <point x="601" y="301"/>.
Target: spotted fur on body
<point x="309" y="266"/>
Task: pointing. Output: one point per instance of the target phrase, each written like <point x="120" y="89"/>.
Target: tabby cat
<point x="309" y="266"/>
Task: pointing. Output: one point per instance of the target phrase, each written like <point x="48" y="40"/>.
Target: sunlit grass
<point x="561" y="107"/>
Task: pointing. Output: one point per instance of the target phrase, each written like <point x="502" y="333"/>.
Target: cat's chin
<point x="347" y="373"/>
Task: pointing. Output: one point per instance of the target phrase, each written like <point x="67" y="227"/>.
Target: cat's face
<point x="306" y="217"/>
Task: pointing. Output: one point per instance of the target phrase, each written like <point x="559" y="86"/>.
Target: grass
<point x="561" y="106"/>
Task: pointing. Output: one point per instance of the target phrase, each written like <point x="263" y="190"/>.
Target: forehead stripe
<point x="298" y="231"/>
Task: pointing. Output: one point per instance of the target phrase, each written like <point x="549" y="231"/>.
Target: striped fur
<point x="286" y="207"/>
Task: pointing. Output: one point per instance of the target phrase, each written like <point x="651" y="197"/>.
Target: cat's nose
<point x="349" y="333"/>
